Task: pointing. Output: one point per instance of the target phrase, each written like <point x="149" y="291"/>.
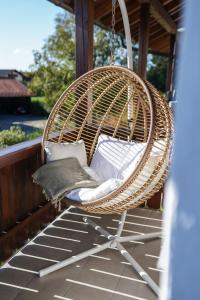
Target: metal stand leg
<point x="138" y="268"/>
<point x="73" y="259"/>
<point x="98" y="228"/>
<point x="121" y="224"/>
<point x="140" y="237"/>
<point x="114" y="242"/>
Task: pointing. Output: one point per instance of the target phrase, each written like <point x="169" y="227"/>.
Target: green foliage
<point x="12" y="136"/>
<point x="54" y="65"/>
<point x="34" y="134"/>
<point x="102" y="48"/>
<point x="157" y="72"/>
<point x="16" y="135"/>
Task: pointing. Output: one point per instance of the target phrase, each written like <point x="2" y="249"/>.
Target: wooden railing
<point x="23" y="207"/>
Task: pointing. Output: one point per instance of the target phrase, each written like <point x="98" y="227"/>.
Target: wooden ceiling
<point x="164" y="19"/>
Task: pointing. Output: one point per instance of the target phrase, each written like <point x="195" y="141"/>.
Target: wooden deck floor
<point x="105" y="276"/>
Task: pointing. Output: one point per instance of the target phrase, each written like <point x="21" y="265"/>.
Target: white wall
<point x="184" y="274"/>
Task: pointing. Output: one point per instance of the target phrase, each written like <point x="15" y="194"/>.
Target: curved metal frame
<point x="127" y="33"/>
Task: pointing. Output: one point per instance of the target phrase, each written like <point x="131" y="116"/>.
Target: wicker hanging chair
<point x="116" y="101"/>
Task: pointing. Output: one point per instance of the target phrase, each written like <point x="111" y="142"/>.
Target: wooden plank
<point x="162" y="16"/>
<point x="84" y="15"/>
<point x="21" y="231"/>
<point x="160" y="42"/>
<point x="65" y="4"/>
<point x="133" y="19"/>
<point x="163" y="48"/>
<point x="18" y="152"/>
<point x="153" y="27"/>
<point x="19" y="196"/>
<point x="155" y="30"/>
<point x="174" y="7"/>
<point x="159" y="38"/>
<point x="102" y="9"/>
<point x="167" y="2"/>
<point x="131" y="6"/>
<point x="143" y="38"/>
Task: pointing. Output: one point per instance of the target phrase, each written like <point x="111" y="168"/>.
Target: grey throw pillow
<point x="60" y="176"/>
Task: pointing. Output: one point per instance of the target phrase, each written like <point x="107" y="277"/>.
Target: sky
<point x="25" y="24"/>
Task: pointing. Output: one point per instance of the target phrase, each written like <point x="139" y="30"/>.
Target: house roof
<point x="12" y="88"/>
<point x="164" y="19"/>
<point x="5" y="73"/>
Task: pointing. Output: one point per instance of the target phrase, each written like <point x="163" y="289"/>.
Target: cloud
<point x="17" y="51"/>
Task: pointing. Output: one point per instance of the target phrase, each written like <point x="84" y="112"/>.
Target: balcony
<point x="25" y="212"/>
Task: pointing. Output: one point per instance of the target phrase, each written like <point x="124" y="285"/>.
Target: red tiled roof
<point x="12" y="88"/>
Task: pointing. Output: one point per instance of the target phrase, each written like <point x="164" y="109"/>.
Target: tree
<point x="157" y="72"/>
<point x="102" y="48"/>
<point x="54" y="65"/>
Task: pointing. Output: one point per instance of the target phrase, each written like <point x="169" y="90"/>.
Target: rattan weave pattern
<point x="116" y="101"/>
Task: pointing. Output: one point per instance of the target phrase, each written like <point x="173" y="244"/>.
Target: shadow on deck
<point x="100" y="277"/>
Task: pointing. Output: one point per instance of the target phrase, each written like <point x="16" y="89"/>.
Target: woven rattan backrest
<point x="98" y="103"/>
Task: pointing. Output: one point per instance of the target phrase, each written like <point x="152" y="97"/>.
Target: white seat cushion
<point x="89" y="194"/>
<point x="114" y="158"/>
<point x="113" y="162"/>
<point x="56" y="151"/>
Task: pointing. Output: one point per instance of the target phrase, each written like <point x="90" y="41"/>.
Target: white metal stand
<point x="114" y="242"/>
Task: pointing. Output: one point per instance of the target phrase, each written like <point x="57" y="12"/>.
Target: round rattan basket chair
<point x="116" y="101"/>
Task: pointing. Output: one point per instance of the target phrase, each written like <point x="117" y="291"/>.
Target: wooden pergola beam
<point x="143" y="38"/>
<point x="171" y="10"/>
<point x="65" y="4"/>
<point x="84" y="19"/>
<point x="162" y="16"/>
